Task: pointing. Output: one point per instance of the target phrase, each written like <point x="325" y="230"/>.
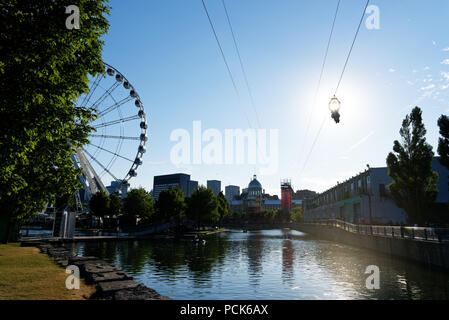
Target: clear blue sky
<point x="167" y="49"/>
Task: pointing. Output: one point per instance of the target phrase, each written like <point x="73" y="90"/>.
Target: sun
<point x="350" y="98"/>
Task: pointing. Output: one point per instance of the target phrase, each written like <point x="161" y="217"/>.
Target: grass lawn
<point x="27" y="274"/>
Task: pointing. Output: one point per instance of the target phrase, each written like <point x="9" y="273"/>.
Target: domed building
<point x="253" y="197"/>
<point x="254" y="200"/>
<point x="254" y="189"/>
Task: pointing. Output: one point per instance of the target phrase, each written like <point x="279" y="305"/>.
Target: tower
<point x="286" y="195"/>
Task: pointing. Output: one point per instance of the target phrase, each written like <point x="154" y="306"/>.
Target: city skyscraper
<point x="193" y="186"/>
<point x="168" y="181"/>
<point x="231" y="191"/>
<point x="215" y="185"/>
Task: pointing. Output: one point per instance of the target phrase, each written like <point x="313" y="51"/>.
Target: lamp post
<point x="334" y="107"/>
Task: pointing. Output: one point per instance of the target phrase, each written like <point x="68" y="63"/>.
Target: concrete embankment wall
<point x="258" y="226"/>
<point x="426" y="252"/>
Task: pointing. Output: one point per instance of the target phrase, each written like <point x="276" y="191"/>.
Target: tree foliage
<point x="296" y="214"/>
<point x="223" y="206"/>
<point x="202" y="206"/>
<point x="414" y="186"/>
<point x="99" y="204"/>
<point x="139" y="204"/>
<point x="44" y="68"/>
<point x="443" y="141"/>
<point x="170" y="204"/>
<point x="115" y="205"/>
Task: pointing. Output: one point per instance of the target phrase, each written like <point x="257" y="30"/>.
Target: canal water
<point x="266" y="264"/>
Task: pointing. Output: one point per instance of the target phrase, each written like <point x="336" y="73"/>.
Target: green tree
<point x="202" y="206"/>
<point x="443" y="141"/>
<point x="171" y="205"/>
<point x="115" y="205"/>
<point x="414" y="186"/>
<point x="268" y="216"/>
<point x="138" y="204"/>
<point x="223" y="207"/>
<point x="440" y="212"/>
<point x="278" y="214"/>
<point x="99" y="204"/>
<point x="237" y="215"/>
<point x="44" y="68"/>
<point x="296" y="214"/>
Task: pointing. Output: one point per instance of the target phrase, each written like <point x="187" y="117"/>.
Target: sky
<point x="169" y="53"/>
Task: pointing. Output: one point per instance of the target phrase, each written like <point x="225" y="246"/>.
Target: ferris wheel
<point x="116" y="146"/>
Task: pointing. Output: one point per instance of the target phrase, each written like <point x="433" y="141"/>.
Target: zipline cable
<point x="338" y="85"/>
<point x="248" y="87"/>
<point x="320" y="78"/>
<point x="227" y="65"/>
<point x="221" y="49"/>
<point x="313" y="144"/>
<point x="352" y="46"/>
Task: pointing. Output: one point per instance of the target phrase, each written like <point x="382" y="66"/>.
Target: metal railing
<point x="413" y="233"/>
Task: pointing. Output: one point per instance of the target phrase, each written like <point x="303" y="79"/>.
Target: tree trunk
<point x="11" y="223"/>
<point x="7" y="231"/>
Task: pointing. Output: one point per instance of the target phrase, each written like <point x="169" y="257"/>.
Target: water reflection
<point x="271" y="264"/>
<point x="287" y="261"/>
<point x="254" y="253"/>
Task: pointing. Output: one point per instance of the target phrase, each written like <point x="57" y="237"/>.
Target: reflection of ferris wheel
<point x="117" y="144"/>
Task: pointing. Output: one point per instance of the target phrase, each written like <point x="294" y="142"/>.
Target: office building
<point x="231" y="192"/>
<point x="193" y="186"/>
<point x="168" y="181"/>
<point x="365" y="198"/>
<point x="214" y="185"/>
<point x="117" y="186"/>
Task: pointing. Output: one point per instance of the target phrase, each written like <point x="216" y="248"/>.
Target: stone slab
<point x="59" y="256"/>
<point x="50" y="250"/>
<point x="108" y="276"/>
<point x="140" y="292"/>
<point x="44" y="247"/>
<point x="79" y="259"/>
<point x="81" y="263"/>
<point x="107" y="289"/>
<point x="57" y="249"/>
<point x="63" y="263"/>
<point x="90" y="268"/>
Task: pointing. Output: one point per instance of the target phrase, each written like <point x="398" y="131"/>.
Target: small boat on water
<point x="199" y="241"/>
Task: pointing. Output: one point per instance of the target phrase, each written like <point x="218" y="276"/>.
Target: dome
<point x="254" y="183"/>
